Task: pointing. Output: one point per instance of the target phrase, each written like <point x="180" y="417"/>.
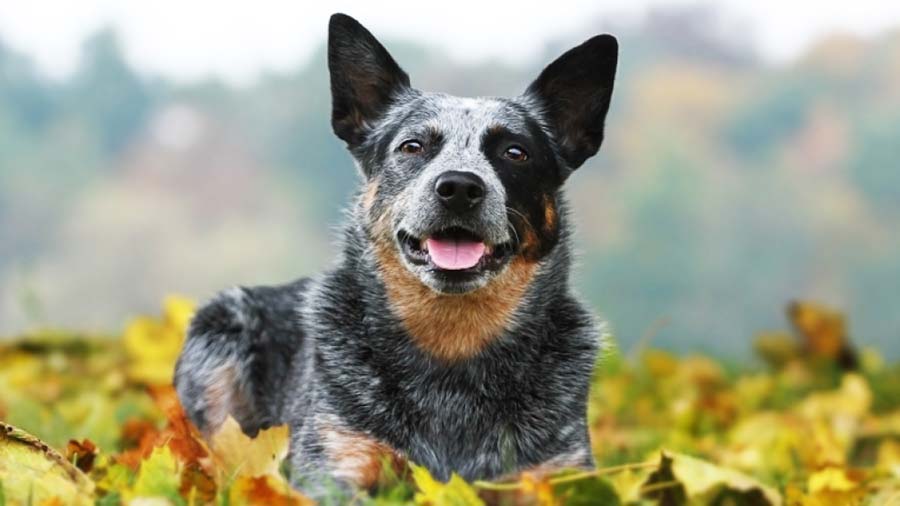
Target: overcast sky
<point x="187" y="39"/>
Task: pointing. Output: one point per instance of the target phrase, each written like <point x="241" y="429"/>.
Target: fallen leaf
<point x="835" y="486"/>
<point x="586" y="492"/>
<point x="152" y="345"/>
<point x="180" y="435"/>
<point x="139" y="437"/>
<point x="823" y="332"/>
<point x="889" y="458"/>
<point x="539" y="488"/>
<point x="196" y="482"/>
<point x="156" y="478"/>
<point x="432" y="492"/>
<point x="701" y="482"/>
<point x="236" y="454"/>
<point x="81" y="454"/>
<point x="31" y="472"/>
<point x="265" y="490"/>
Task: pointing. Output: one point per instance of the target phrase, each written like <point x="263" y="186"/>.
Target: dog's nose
<point x="459" y="191"/>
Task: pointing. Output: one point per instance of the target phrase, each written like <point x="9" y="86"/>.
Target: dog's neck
<point x="453" y="327"/>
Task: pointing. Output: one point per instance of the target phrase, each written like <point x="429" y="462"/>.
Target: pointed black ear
<point x="575" y="91"/>
<point x="364" y="78"/>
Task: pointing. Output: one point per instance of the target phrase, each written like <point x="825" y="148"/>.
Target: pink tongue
<point x="453" y="254"/>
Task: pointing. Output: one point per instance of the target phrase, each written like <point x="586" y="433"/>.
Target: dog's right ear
<point x="364" y="78"/>
<point x="575" y="91"/>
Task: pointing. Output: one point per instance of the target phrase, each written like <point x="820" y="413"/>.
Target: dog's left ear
<point x="574" y="92"/>
<point x="364" y="78"/>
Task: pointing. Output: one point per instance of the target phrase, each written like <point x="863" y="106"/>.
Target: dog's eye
<point x="515" y="154"/>
<point x="412" y="147"/>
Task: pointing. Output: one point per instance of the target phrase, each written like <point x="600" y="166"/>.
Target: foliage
<point x="807" y="429"/>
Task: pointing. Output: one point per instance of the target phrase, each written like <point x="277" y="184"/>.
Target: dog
<point x="446" y="333"/>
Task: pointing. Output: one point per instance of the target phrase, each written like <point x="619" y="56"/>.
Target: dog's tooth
<point x="423" y="244"/>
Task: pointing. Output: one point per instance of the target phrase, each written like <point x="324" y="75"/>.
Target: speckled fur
<point x="338" y="357"/>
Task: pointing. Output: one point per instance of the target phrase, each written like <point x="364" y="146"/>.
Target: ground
<point x="809" y="421"/>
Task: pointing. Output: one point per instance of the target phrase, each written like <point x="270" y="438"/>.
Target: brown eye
<point x="412" y="147"/>
<point x="515" y="154"/>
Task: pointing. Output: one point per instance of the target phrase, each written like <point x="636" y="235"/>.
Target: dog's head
<point x="458" y="188"/>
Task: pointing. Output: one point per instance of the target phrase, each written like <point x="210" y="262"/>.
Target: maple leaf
<point x="236" y="454"/>
<point x="180" y="434"/>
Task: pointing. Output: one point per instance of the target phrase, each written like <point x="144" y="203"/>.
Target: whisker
<point x="522" y="217"/>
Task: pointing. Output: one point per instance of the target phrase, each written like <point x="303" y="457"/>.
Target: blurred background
<point x="752" y="154"/>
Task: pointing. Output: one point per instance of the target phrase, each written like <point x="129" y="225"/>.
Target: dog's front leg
<point x="333" y="462"/>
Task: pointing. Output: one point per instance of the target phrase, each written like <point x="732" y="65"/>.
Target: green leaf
<point x="592" y="491"/>
<point x="112" y="499"/>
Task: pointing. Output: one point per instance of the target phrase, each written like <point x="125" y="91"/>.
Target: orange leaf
<point x="81" y="454"/>
<point x="266" y="490"/>
<point x="182" y="437"/>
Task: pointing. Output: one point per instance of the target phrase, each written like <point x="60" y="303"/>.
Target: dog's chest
<point x="471" y="423"/>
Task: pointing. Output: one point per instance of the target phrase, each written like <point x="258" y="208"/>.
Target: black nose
<point x="459" y="191"/>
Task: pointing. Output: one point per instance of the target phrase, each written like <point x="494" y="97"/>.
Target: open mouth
<point x="454" y="249"/>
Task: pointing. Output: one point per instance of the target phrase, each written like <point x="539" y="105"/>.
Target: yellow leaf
<point x="153" y="345"/>
<point x="889" y="458"/>
<point x="852" y="400"/>
<point x="178" y="312"/>
<point x="703" y="481"/>
<point x="455" y="492"/>
<point x="237" y="454"/>
<point x="539" y="487"/>
<point x="33" y="473"/>
<point x="157" y="476"/>
<point x="831" y="479"/>
<point x="835" y="486"/>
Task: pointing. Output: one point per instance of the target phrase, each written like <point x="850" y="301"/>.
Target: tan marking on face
<point x="452" y="327"/>
<point x="358" y="458"/>
<point x="530" y="242"/>
<point x="549" y="214"/>
<point x="368" y="197"/>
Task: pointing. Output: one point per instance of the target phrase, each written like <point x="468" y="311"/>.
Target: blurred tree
<point x="875" y="164"/>
<point x="108" y="93"/>
<point x="25" y="98"/>
<point x="764" y="124"/>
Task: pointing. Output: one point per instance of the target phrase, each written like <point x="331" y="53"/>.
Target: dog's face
<point x="458" y="188"/>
